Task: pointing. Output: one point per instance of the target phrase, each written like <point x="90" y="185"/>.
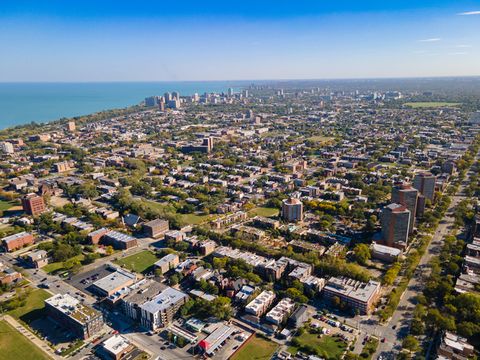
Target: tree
<point x="410" y="343"/>
<point x="109" y="250"/>
<point x="362" y="253"/>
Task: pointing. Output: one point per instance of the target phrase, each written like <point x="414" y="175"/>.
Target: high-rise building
<point x="151" y="101"/>
<point x="33" y="204"/>
<point x="208" y="142"/>
<point x="245" y="93"/>
<point x="230" y="92"/>
<point x="7" y="147"/>
<point x="176" y="95"/>
<point x="395" y="219"/>
<point x="425" y="183"/>
<point x="404" y="194"/>
<point x="292" y="210"/>
<point x="167" y="97"/>
<point x="71" y="127"/>
<point x="174" y="103"/>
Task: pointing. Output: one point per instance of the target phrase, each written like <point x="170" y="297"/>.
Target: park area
<point x="327" y="347"/>
<point x="16" y="346"/>
<point x="139" y="262"/>
<point x="263" y="211"/>
<point x="255" y="349"/>
<point x="431" y="104"/>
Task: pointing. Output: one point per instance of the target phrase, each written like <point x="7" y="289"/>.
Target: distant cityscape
<point x="271" y="221"/>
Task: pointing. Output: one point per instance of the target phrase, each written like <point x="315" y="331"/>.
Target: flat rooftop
<point x="115" y="280"/>
<point x="164" y="300"/>
<point x="72" y="307"/>
<point x="352" y="288"/>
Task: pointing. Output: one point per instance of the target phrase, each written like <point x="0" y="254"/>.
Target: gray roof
<point x="164" y="300"/>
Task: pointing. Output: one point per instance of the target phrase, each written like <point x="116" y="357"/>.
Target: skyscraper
<point x="425" y="183"/>
<point x="404" y="194"/>
<point x="230" y="92"/>
<point x="395" y="219"/>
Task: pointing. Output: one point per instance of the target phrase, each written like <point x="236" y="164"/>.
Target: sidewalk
<point x="35" y="340"/>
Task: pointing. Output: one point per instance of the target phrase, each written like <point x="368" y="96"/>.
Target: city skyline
<point x="146" y="42"/>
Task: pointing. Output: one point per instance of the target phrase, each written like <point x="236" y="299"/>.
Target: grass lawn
<point x="431" y="104"/>
<point x="326" y="346"/>
<point x="5" y="205"/>
<point x="16" y="346"/>
<point x="138" y="262"/>
<point x="256" y="349"/>
<point x="194" y="219"/>
<point x="33" y="306"/>
<point x="264" y="211"/>
<point x="321" y="139"/>
<point x="57" y="266"/>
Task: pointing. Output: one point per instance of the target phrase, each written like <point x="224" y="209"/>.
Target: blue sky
<point x="143" y="40"/>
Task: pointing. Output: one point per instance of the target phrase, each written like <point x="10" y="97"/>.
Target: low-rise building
<point x="358" y="295"/>
<point x="454" y="347"/>
<point x="281" y="311"/>
<point x="119" y="240"/>
<point x="116" y="348"/>
<point x="17" y="241"/>
<point x="114" y="282"/>
<point x="159" y="311"/>
<point x="385" y="253"/>
<point x="167" y="262"/>
<point x="37" y="258"/>
<point x="155" y="228"/>
<point x="261" y="303"/>
<point x="80" y="319"/>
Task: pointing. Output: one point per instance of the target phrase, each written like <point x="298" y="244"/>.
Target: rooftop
<point x="168" y="297"/>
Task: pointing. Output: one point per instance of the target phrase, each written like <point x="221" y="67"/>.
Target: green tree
<point x="362" y="253"/>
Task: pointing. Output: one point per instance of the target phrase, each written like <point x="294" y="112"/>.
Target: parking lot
<point x="84" y="280"/>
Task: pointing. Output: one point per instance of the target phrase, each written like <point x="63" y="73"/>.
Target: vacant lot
<point x="32" y="309"/>
<point x="328" y="347"/>
<point x="138" y="262"/>
<point x="256" y="349"/>
<point x="264" y="211"/>
<point x="431" y="104"/>
<point x="15" y="346"/>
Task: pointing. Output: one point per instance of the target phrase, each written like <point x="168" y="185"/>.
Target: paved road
<point x="402" y="316"/>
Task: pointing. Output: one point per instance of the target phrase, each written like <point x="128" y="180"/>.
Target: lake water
<point x="22" y="103"/>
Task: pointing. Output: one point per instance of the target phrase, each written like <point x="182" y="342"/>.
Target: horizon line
<point x="239" y="80"/>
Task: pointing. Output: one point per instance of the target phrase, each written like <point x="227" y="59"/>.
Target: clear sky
<point x="143" y="40"/>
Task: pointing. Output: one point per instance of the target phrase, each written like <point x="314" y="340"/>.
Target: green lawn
<point x="57" y="266"/>
<point x="33" y="307"/>
<point x="16" y="346"/>
<point x="138" y="262"/>
<point x="431" y="104"/>
<point x="5" y="205"/>
<point x="321" y="139"/>
<point x="256" y="349"/>
<point x="264" y="211"/>
<point x="194" y="219"/>
<point x="326" y="346"/>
